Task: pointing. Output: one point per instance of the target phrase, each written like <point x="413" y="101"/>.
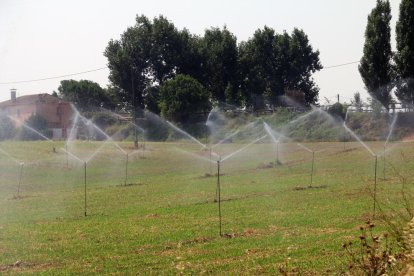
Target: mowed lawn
<point x="165" y="220"/>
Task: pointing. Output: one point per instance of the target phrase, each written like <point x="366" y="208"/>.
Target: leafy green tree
<point x="148" y="54"/>
<point x="357" y="101"/>
<point x="300" y="62"/>
<point x="404" y="58"/>
<point x="219" y="49"/>
<point x="129" y="63"/>
<point x="271" y="64"/>
<point x="375" y="67"/>
<point x="257" y="66"/>
<point x="338" y="111"/>
<point x="7" y="128"/>
<point x="84" y="94"/>
<point x="184" y="100"/>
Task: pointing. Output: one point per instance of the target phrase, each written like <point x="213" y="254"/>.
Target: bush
<point x="337" y="110"/>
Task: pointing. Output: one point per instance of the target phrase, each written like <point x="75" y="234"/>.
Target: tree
<point x="271" y="64"/>
<point x="219" y="50"/>
<point x="404" y="58"/>
<point x="357" y="101"/>
<point x="129" y="63"/>
<point x="84" y="94"/>
<point x="302" y="62"/>
<point x="375" y="67"/>
<point x="184" y="100"/>
<point x="338" y="111"/>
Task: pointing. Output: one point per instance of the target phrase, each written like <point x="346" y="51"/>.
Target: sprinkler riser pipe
<point x="375" y="182"/>
<point x="20" y="180"/>
<point x="85" y="186"/>
<point x="313" y="161"/>
<point x="219" y="195"/>
<point x="126" y="169"/>
<point x="384" y="161"/>
<point x="277" y="153"/>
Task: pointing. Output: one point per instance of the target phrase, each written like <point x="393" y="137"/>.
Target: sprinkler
<point x="384" y="161"/>
<point x="84" y="165"/>
<point x="126" y="169"/>
<point x="219" y="195"/>
<point x="277" y="162"/>
<point x="313" y="161"/>
<point x="20" y="179"/>
<point x="375" y="182"/>
<point x="211" y="163"/>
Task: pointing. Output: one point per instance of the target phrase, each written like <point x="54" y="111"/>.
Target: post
<point x="277" y="153"/>
<point x="313" y="161"/>
<point x="84" y="164"/>
<point x="126" y="169"/>
<point x="375" y="183"/>
<point x="219" y="195"/>
<point x="211" y="169"/>
<point x="384" y="161"/>
<point x="20" y="179"/>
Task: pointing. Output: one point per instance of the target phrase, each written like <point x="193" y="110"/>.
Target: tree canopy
<point x="404" y="57"/>
<point x="375" y="67"/>
<point x="85" y="95"/>
<point x="184" y="99"/>
<point x="272" y="64"/>
<point x="153" y="52"/>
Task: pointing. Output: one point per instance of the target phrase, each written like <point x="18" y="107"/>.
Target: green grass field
<point x="165" y="220"/>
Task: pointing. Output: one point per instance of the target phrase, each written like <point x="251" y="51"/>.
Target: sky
<point x="49" y="38"/>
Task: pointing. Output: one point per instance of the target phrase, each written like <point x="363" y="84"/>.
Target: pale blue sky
<point x="45" y="38"/>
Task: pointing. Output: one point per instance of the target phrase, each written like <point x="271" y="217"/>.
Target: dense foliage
<point x="266" y="66"/>
<point x="375" y="67"/>
<point x="85" y="95"/>
<point x="404" y="57"/>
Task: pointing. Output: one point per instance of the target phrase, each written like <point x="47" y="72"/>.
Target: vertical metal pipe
<point x="84" y="164"/>
<point x="375" y="182"/>
<point x="211" y="164"/>
<point x="20" y="179"/>
<point x="126" y="169"/>
<point x="219" y="194"/>
<point x="384" y="160"/>
<point x="277" y="153"/>
<point x="313" y="161"/>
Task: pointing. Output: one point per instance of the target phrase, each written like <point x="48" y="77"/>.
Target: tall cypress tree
<point x="375" y="67"/>
<point x="404" y="58"/>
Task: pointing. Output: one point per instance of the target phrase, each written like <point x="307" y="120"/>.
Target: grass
<point x="166" y="221"/>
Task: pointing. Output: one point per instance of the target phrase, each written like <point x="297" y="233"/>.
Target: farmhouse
<point x="58" y="113"/>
